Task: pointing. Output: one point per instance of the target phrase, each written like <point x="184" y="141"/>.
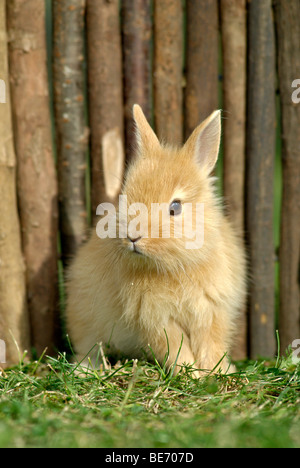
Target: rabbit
<point x="152" y="295"/>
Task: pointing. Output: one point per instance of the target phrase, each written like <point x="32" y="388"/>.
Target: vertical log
<point x="105" y="99"/>
<point x="288" y="46"/>
<point x="137" y="34"/>
<point x="233" y="20"/>
<point x="202" y="45"/>
<point x="37" y="188"/>
<point x="14" y="324"/>
<point x="168" y="63"/>
<point x="260" y="178"/>
<point x="234" y="45"/>
<point x="71" y="131"/>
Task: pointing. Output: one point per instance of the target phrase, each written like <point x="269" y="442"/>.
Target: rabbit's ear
<point x="146" y="137"/>
<point x="204" y="142"/>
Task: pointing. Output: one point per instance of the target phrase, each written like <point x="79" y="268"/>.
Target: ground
<point x="48" y="403"/>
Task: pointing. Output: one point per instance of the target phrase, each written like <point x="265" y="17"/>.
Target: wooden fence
<point x="179" y="60"/>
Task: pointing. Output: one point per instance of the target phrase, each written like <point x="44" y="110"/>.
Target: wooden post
<point x="14" y="324"/>
<point x="137" y="35"/>
<point x="234" y="46"/>
<point x="288" y="46"/>
<point x="105" y="99"/>
<point x="168" y="64"/>
<point x="37" y="187"/>
<point x="202" y="50"/>
<point x="260" y="176"/>
<point x="71" y="130"/>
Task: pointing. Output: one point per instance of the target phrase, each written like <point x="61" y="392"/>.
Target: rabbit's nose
<point x="134" y="240"/>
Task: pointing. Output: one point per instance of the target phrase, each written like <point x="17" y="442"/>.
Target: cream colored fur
<point x="134" y="300"/>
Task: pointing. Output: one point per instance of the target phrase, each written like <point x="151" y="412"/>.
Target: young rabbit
<point x="137" y="291"/>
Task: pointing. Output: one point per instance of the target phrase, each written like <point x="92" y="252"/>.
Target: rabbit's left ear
<point x="145" y="136"/>
<point x="204" y="142"/>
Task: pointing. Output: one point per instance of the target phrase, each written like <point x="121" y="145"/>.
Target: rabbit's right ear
<point x="145" y="136"/>
<point x="204" y="142"/>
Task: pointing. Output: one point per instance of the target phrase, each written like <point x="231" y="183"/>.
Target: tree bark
<point x="168" y="64"/>
<point x="260" y="178"/>
<point x="234" y="45"/>
<point x="14" y="324"/>
<point x="37" y="188"/>
<point x="202" y="51"/>
<point x="71" y="130"/>
<point x="137" y="34"/>
<point x="105" y="99"/>
<point x="288" y="46"/>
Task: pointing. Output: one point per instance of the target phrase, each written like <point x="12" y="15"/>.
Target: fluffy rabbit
<point x="137" y="291"/>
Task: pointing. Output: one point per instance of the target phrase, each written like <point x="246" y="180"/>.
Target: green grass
<point x="136" y="404"/>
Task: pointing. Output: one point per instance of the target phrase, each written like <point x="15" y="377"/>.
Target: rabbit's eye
<point x="175" y="208"/>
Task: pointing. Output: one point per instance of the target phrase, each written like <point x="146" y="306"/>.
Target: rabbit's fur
<point x="166" y="297"/>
